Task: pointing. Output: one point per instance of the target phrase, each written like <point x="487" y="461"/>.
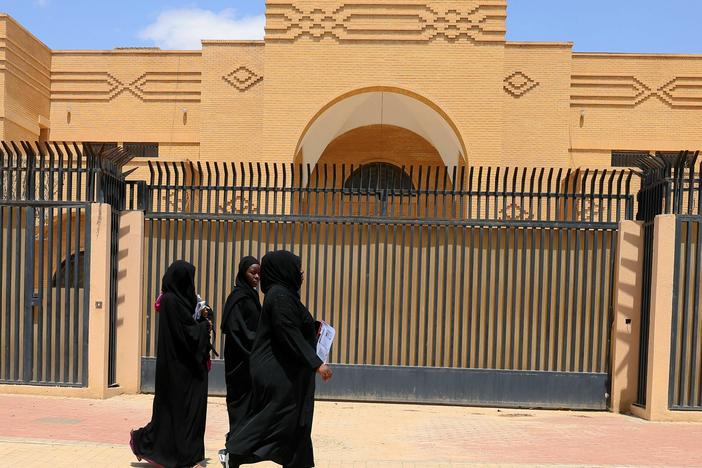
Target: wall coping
<point x="136" y="51"/>
<point x="635" y="55"/>
<point x="516" y="44"/>
<point x="259" y="42"/>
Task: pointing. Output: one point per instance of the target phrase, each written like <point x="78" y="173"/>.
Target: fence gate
<point x="45" y="195"/>
<point x="481" y="286"/>
<point x="43" y="295"/>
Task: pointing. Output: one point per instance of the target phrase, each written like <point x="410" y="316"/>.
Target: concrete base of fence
<point x="441" y="386"/>
<point x="70" y="392"/>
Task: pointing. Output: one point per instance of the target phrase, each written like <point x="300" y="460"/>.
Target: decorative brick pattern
<point x="511" y="103"/>
<point x="518" y="84"/>
<point x="25" y="65"/>
<point x="355" y="21"/>
<point x="682" y="92"/>
<point x="515" y="211"/>
<point x="104" y="86"/>
<point x="28" y="67"/>
<point x="630" y="91"/>
<point x="243" y="78"/>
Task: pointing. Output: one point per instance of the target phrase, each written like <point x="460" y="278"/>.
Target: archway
<point x="380" y="171"/>
<point x="384" y="107"/>
<point x="377" y="125"/>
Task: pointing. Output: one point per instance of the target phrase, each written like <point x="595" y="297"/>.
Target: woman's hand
<point x="325" y="371"/>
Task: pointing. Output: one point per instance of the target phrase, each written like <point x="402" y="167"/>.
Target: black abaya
<point x="278" y="424"/>
<point x="175" y="436"/>
<point x="239" y="322"/>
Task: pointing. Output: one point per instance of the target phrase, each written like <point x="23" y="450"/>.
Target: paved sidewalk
<point x="65" y="432"/>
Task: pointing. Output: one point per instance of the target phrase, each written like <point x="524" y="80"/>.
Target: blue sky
<point x="593" y="25"/>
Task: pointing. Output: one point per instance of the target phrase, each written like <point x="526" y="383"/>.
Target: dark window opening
<point x="142" y="150"/>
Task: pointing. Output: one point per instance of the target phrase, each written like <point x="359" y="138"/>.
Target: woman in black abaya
<point x="283" y="363"/>
<point x="175" y="436"/>
<point x="239" y="322"/>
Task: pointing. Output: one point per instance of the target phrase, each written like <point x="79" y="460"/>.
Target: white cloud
<point x="185" y="28"/>
<point x="41" y="3"/>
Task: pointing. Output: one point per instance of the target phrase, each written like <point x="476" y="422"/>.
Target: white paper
<point x="325" y="340"/>
<point x="198" y="308"/>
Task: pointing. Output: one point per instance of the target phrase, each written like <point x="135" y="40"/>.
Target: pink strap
<point x="157" y="304"/>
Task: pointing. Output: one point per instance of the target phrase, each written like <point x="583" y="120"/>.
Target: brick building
<point x="410" y="81"/>
<point x="545" y="292"/>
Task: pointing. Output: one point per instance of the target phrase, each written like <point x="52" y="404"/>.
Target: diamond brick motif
<point x="518" y="84"/>
<point x="242" y="78"/>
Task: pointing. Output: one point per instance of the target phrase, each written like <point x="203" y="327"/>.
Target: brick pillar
<point x="660" y="317"/>
<point x="130" y="301"/>
<point x="99" y="313"/>
<point x="627" y="311"/>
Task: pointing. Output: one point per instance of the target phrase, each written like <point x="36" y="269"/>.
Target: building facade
<point x="540" y="286"/>
<point x="404" y="82"/>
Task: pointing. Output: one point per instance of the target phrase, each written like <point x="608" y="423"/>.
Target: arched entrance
<point x="381" y="109"/>
<point x="390" y="134"/>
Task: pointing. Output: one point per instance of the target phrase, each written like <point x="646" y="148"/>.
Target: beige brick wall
<point x="303" y="77"/>
<point x="168" y="152"/>
<point x="25" y="78"/>
<point x="13" y="132"/>
<point x="536" y="104"/>
<point x="126" y="95"/>
<point x="457" y="75"/>
<point x="512" y="104"/>
<point x="634" y="102"/>
<point x="232" y="100"/>
<point x="380" y="143"/>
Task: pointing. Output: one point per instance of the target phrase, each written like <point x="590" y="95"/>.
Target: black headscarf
<point x="241" y="290"/>
<point x="179" y="280"/>
<point x="283" y="268"/>
<point x="241" y="281"/>
<point x="176" y="434"/>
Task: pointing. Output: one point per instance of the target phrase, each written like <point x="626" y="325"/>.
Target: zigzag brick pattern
<point x="364" y="22"/>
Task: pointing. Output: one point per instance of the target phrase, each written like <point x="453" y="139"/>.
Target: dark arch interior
<point x="378" y="178"/>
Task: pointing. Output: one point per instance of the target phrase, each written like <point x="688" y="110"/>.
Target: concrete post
<point x="130" y="301"/>
<point x="99" y="312"/>
<point x="627" y="311"/>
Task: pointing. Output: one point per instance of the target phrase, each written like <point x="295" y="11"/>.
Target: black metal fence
<point x="373" y="190"/>
<point x="43" y="292"/>
<point x="685" y="389"/>
<point x="668" y="186"/>
<point x="44" y="252"/>
<point x="506" y="271"/>
<point x="61" y="172"/>
<point x="417" y="268"/>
